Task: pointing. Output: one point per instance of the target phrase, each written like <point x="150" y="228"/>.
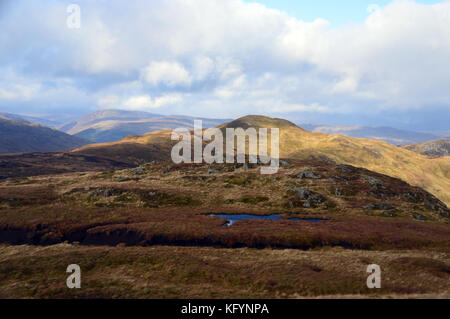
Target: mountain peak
<point x="258" y="121"/>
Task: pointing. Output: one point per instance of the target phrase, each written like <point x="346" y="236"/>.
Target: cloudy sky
<point x="325" y="62"/>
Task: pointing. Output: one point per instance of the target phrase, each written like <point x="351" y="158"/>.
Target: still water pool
<point x="235" y="218"/>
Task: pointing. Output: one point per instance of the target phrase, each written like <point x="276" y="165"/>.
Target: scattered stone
<point x="346" y="168"/>
<point x="419" y="217"/>
<point x="284" y="163"/>
<point x="151" y="194"/>
<point x="343" y="179"/>
<point x="330" y="180"/>
<point x="138" y="170"/>
<point x="167" y="169"/>
<point x="372" y="180"/>
<point x="307" y="204"/>
<point x="213" y="171"/>
<point x="337" y="192"/>
<point x="309" y="174"/>
<point x="387" y="214"/>
<point x="443" y="213"/>
<point x="429" y="204"/>
<point x="376" y="183"/>
<point x="229" y="201"/>
<point x="378" y="207"/>
<point x="305" y="194"/>
<point x="122" y="179"/>
<point x="411" y="196"/>
<point x="108" y="193"/>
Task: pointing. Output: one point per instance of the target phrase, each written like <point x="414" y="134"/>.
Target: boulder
<point x="138" y="170"/>
<point x="309" y="174"/>
<point x="284" y="163"/>
<point x="305" y="194"/>
<point x="378" y="207"/>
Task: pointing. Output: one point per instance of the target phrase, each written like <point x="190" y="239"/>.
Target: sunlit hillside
<point x="295" y="142"/>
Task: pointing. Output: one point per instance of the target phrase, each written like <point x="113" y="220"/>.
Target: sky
<point x="348" y="62"/>
<point x="337" y="12"/>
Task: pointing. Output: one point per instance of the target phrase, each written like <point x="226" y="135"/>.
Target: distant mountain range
<point x="432" y="148"/>
<point x="388" y="134"/>
<point x="112" y="125"/>
<point x="106" y="126"/>
<point x="32" y="119"/>
<point x="17" y="136"/>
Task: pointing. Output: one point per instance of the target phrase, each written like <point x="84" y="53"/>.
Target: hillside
<point x="154" y="222"/>
<point x="31" y="119"/>
<point x="435" y="148"/>
<point x="19" y="136"/>
<point x="416" y="169"/>
<point x="387" y="134"/>
<point x="112" y="125"/>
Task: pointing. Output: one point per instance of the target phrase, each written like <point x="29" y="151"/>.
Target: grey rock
<point x="388" y="214"/>
<point x="343" y="179"/>
<point x="419" y="217"/>
<point x="376" y="183"/>
<point x="305" y="194"/>
<point x="309" y="174"/>
<point x="346" y="168"/>
<point x="108" y="193"/>
<point x="138" y="170"/>
<point x="429" y="204"/>
<point x="372" y="180"/>
<point x="411" y="196"/>
<point x="378" y="207"/>
<point x="443" y="213"/>
<point x="213" y="171"/>
<point x="337" y="192"/>
<point x="167" y="169"/>
<point x="284" y="163"/>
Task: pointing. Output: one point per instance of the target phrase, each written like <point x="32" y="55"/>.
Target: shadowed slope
<point x="20" y="136"/>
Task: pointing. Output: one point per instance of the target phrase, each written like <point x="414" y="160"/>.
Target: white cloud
<point x="108" y="101"/>
<point x="168" y="73"/>
<point x="228" y="57"/>
<point x="144" y="102"/>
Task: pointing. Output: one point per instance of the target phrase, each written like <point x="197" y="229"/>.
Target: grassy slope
<point x="416" y="169"/>
<point x="195" y="272"/>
